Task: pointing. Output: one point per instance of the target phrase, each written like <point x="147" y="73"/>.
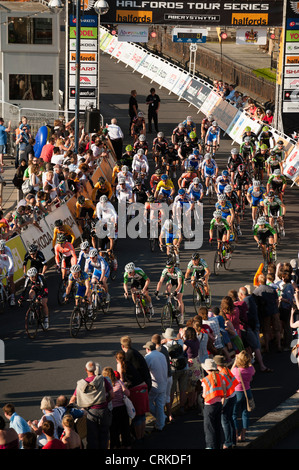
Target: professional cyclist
<point x="83" y="254"/>
<point x="194" y="160"/>
<point x="81" y="279"/>
<point x="185" y="150"/>
<point x="209" y="170"/>
<point x="7" y="258"/>
<point x="123" y="191"/>
<point x="242" y="180"/>
<point x="253" y="137"/>
<point x="137" y="279"/>
<point x="273" y="162"/>
<point x="36" y="258"/>
<point x="36" y="286"/>
<point x="115" y="172"/>
<point x="98" y="269"/>
<point x="255" y="195"/>
<point x="165" y="189"/>
<point x="140" y="163"/>
<point x="127" y="157"/>
<point x="273" y="207"/>
<point x="141" y="143"/>
<point x="186" y="178"/>
<point x="233" y="162"/>
<point x="65" y="255"/>
<point x="127" y="175"/>
<point x="138" y="126"/>
<point x="232" y="197"/>
<point x="205" y="125"/>
<point x="181" y="201"/>
<point x="266" y="137"/>
<point x="277" y="182"/>
<point x="171" y="160"/>
<point x="226" y="208"/>
<point x="101" y="187"/>
<point x="259" y="159"/>
<point x="247" y="150"/>
<point x="222" y="229"/>
<point x="171" y="233"/>
<point x="107" y="219"/>
<point x="189" y="125"/>
<point x="173" y="277"/>
<point x="160" y="145"/>
<point x="195" y="191"/>
<point x="212" y="140"/>
<point x="84" y="208"/>
<point x="280" y="150"/>
<point x="155" y="178"/>
<point x="222" y="181"/>
<point x="179" y="134"/>
<point x="198" y="269"/>
<point x="60" y="227"/>
<point x="263" y="231"/>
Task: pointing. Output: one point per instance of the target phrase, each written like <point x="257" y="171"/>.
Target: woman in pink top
<point x="242" y="365"/>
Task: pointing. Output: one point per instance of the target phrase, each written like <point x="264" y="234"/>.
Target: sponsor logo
<point x="88" y="69"/>
<point x="295" y="7"/>
<point x="291" y="71"/>
<point x="292" y="23"/>
<point x="292" y="59"/>
<point x="292" y="36"/>
<point x="252" y="19"/>
<point x="290" y="95"/>
<point x="292" y="47"/>
<point x="84" y="92"/>
<point x="84" y="57"/>
<point x="87" y="20"/>
<point x="132" y="16"/>
<point x="85" y="45"/>
<point x="91" y="33"/>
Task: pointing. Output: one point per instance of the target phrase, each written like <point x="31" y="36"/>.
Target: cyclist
<point x="36" y="258"/>
<point x="171" y="159"/>
<point x="84" y="254"/>
<point x="101" y="187"/>
<point x="185" y="150"/>
<point x="171" y="233"/>
<point x="205" y="125"/>
<point x="222" y="181"/>
<point x="233" y="162"/>
<point x="277" y="182"/>
<point x="65" y="255"/>
<point x="115" y="173"/>
<point x="140" y="192"/>
<point x="198" y="269"/>
<point x="60" y="227"/>
<point x="36" y="286"/>
<point x="81" y="279"/>
<point x="160" y="145"/>
<point x="247" y="149"/>
<point x="263" y="231"/>
<point x="273" y="162"/>
<point x="186" y="178"/>
<point x="266" y="137"/>
<point x="195" y="191"/>
<point x="155" y="178"/>
<point x="209" y="170"/>
<point x="107" y="218"/>
<point x="241" y="180"/>
<point x="138" y="126"/>
<point x="127" y="157"/>
<point x="173" y="277"/>
<point x="194" y="160"/>
<point x="141" y="143"/>
<point x="138" y="280"/>
<point x="165" y="189"/>
<point x="212" y="140"/>
<point x="189" y="125"/>
<point x="8" y="261"/>
<point x="273" y="207"/>
<point x="127" y="175"/>
<point x="124" y="192"/>
<point x="180" y="201"/>
<point x="259" y="159"/>
<point x="140" y="163"/>
<point x="178" y="135"/>
<point x="255" y="195"/>
<point x="280" y="150"/>
<point x="194" y="140"/>
<point x="226" y="208"/>
<point x="222" y="229"/>
<point x="98" y="269"/>
<point x="253" y="137"/>
<point x="84" y="208"/>
<point x="232" y="197"/>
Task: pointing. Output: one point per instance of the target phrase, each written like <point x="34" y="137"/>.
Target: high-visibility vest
<point x="259" y="271"/>
<point x="213" y="389"/>
<point x="230" y="381"/>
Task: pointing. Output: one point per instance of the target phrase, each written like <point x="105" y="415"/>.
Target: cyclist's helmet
<point x="272" y="153"/>
<point x="58" y="223"/>
<point x="264" y="147"/>
<point x="181" y="192"/>
<point x="124" y="169"/>
<point x="215" y="123"/>
<point x="195" y="152"/>
<point x="280" y="142"/>
<point x="276" y="172"/>
<point x="32" y="272"/>
<point x="138" y="182"/>
<point x="256" y="183"/>
<point x="140" y="152"/>
<point x="2" y="245"/>
<point x="170" y="263"/>
<point x="261" y="221"/>
<point x="142" y="137"/>
<point x="81" y="199"/>
<point x="265" y="129"/>
<point x="234" y="151"/>
<point x="75" y="269"/>
<point x="228" y="188"/>
<point x="188" y="140"/>
<point x="241" y="168"/>
<point x="225" y="173"/>
<point x="93" y="253"/>
<point x="181" y="125"/>
<point x="247" y="129"/>
<point x="196" y="181"/>
<point x="164" y="177"/>
<point x="210" y="117"/>
<point x="129" y="268"/>
<point x="208" y="156"/>
<point x="195" y="256"/>
<point x="221" y="197"/>
<point x="271" y="193"/>
<point x="189" y="119"/>
<point x="101" y="180"/>
<point x="158" y="171"/>
<point x="192" y="135"/>
<point x="160" y="134"/>
<point x="247" y="140"/>
<point x="129" y="148"/>
<point x="61" y="238"/>
<point x="32" y="248"/>
<point x="217" y="215"/>
<point x="84" y="245"/>
<point x="103" y="199"/>
<point x="190" y="168"/>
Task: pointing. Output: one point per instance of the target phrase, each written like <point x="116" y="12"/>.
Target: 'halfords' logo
<point x="253" y="19"/>
<point x="131" y="16"/>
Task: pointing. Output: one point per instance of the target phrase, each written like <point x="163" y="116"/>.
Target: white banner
<point x="251" y="36"/>
<point x="291" y="169"/>
<point x="210" y="103"/>
<point x="132" y="33"/>
<point x="42" y="239"/>
<point x="239" y="127"/>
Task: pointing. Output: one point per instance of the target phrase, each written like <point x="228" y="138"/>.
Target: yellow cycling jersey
<point x="165" y="185"/>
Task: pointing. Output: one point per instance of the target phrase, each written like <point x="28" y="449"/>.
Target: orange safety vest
<point x="212" y="389"/>
<point x="230" y="381"/>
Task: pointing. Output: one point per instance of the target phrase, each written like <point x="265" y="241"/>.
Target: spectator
<point x="47" y="150"/>
<point x="62" y="408"/>
<point x="231" y="92"/>
<point x="133" y="108"/>
<point x="230" y="314"/>
<point x="156" y="339"/>
<point x="191" y="347"/>
<point x="153" y="103"/>
<point x="70" y="438"/>
<point x="96" y="405"/>
<point x="16" y="422"/>
<point x="286" y="299"/>
<point x="52" y="442"/>
<point x="116" y="136"/>
<point x="3" y="138"/>
<point x="29" y="440"/>
<point x="157" y="366"/>
<point x="268" y="118"/>
<point x="47" y="406"/>
<point x="8" y="437"/>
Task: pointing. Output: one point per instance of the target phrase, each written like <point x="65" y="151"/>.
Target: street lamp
<point x="55" y="6"/>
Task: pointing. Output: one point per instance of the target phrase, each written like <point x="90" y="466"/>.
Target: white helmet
<point x="103" y="199"/>
<point x="181" y="125"/>
<point x="32" y="272"/>
<point x="76" y="268"/>
<point x="228" y="188"/>
<point x="196" y="180"/>
<point x="130" y="267"/>
<point x="208" y="156"/>
<point x="277" y="172"/>
<point x="142" y="137"/>
<point x="84" y="245"/>
<point x="93" y="253"/>
<point x="160" y="134"/>
<point x="256" y="183"/>
<point x="221" y="197"/>
<point x="124" y="168"/>
<point x="140" y="152"/>
<point x="234" y="151"/>
<point x="217" y="214"/>
<point x="261" y="221"/>
<point x="214" y="123"/>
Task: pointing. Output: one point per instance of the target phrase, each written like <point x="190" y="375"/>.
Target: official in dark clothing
<point x="153" y="102"/>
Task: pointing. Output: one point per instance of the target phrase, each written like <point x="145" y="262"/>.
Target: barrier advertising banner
<point x="291" y="169"/>
<point x="18" y="252"/>
<point x="223" y="113"/>
<point x="196" y="93"/>
<point x="42" y="239"/>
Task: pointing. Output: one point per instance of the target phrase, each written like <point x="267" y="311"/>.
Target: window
<point x="31" y="87"/>
<point x="29" y="30"/>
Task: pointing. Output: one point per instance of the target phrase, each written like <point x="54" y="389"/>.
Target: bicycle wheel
<point x="61" y="291"/>
<point x="2" y="300"/>
<point x="217" y="263"/>
<point x="75" y="323"/>
<point x="31" y="322"/>
<point x="166" y="316"/>
<point x="140" y="315"/>
<point x="198" y="300"/>
<point x="88" y="317"/>
<point x="227" y="261"/>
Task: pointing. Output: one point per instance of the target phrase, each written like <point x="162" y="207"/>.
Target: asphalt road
<point x="53" y="362"/>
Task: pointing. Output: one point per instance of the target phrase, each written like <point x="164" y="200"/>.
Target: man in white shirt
<point x="116" y="136"/>
<point x="57" y="158"/>
<point x="157" y="364"/>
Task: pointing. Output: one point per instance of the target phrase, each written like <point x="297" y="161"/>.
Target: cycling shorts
<point x="165" y="192"/>
<point x="195" y="196"/>
<point x="138" y="284"/>
<point x="256" y="200"/>
<point x="170" y="237"/>
<point x="225" y="214"/>
<point x="98" y="274"/>
<point x="262" y="236"/>
<point x="209" y="171"/>
<point x="174" y="282"/>
<point x="81" y="290"/>
<point x="221" y="188"/>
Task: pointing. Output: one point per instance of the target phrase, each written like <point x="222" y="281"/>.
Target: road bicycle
<point x="81" y="315"/>
<point x="173" y="251"/>
<point x="170" y="312"/>
<point x="279" y="227"/>
<point x="34" y="317"/>
<point x="142" y="312"/>
<point x="99" y="298"/>
<point x="199" y="295"/>
<point x="210" y="190"/>
<point x="269" y="254"/>
<point x="223" y="257"/>
<point x="61" y="293"/>
<point x="111" y="259"/>
<point x="4" y="294"/>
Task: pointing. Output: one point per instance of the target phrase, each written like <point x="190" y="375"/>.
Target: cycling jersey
<point x="234" y="200"/>
<point x="243" y="180"/>
<point x="39" y="286"/>
<point x="212" y="134"/>
<point x="179" y="134"/>
<point x="221" y="182"/>
<point x="186" y="150"/>
<point x="38" y="262"/>
<point x="176" y="274"/>
<point x="97" y="267"/>
<point x="106" y="212"/>
<point x="246" y="149"/>
<point x="165" y="187"/>
<point x="139" y="275"/>
<point x="233" y="163"/>
<point x="160" y="145"/>
<point x="258" y="229"/>
<point x="277" y="180"/>
<point x="64" y="229"/>
<point x="180" y="201"/>
<point x="140" y="164"/>
<point x="194" y="161"/>
<point x="80" y="283"/>
<point x="187" y="178"/>
<point x="199" y="268"/>
<point x="171" y="156"/>
<point x="170" y="236"/>
<point x="274" y="162"/>
<point x="82" y="259"/>
<point x="222" y="224"/>
<point x="225" y="209"/>
<point x="100" y="190"/>
<point x="273" y="207"/>
<point x="65" y="251"/>
<point x="86" y="208"/>
<point x="195" y="192"/>
<point x="9" y="263"/>
<point x="209" y="167"/>
<point x="255" y="195"/>
<point x="154" y="181"/>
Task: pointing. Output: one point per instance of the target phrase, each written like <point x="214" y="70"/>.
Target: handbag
<point x="250" y="401"/>
<point x="27" y="187"/>
<point x="130" y="407"/>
